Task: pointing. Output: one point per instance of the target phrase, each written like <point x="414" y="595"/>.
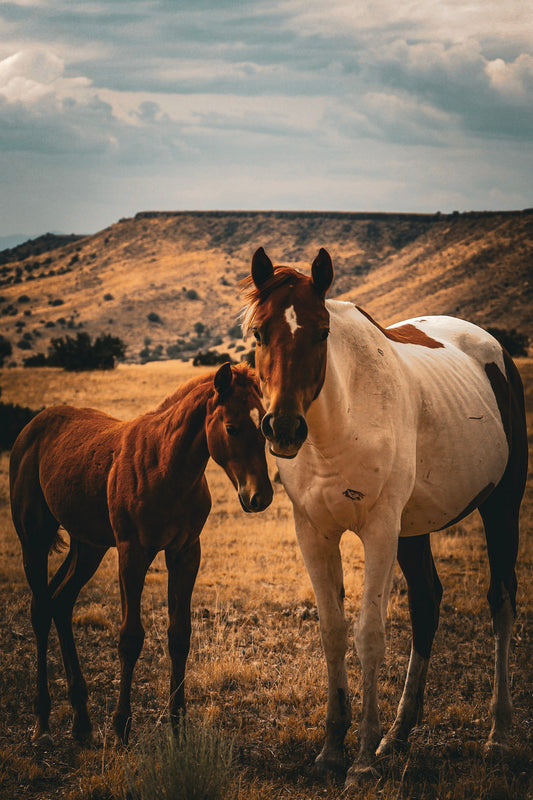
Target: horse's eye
<point x="324" y="335"/>
<point x="257" y="335"/>
<point x="232" y="430"/>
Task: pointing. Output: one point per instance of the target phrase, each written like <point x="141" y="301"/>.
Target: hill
<point x="172" y="278"/>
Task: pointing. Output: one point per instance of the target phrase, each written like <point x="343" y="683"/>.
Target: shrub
<point x="191" y="764"/>
<point x="57" y="302"/>
<point x="210" y="358"/>
<point x="5" y="349"/>
<point x="199" y="328"/>
<point x="13" y="418"/>
<point x="153" y="317"/>
<point x="191" y="294"/>
<point x="147" y="354"/>
<point x="82" y="354"/>
<point x="108" y="296"/>
<point x="515" y="343"/>
<point x="235" y="331"/>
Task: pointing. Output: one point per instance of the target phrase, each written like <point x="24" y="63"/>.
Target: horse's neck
<point x="180" y="430"/>
<point x="354" y="374"/>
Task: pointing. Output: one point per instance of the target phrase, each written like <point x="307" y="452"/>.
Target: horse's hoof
<point x="122" y="728"/>
<point x="389" y="746"/>
<point x="43" y="741"/>
<point x="327" y="765"/>
<point x="359" y="775"/>
<point x="496" y="750"/>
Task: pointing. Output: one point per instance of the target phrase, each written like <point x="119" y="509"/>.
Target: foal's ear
<point x="322" y="272"/>
<point x="223" y="380"/>
<point x="262" y="268"/>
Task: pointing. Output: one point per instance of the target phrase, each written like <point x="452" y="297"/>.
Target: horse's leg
<point x="424" y="592"/>
<point x="501" y="530"/>
<point x="37" y="530"/>
<point x="323" y="561"/>
<point x="133" y="565"/>
<point x="380" y="540"/>
<point x="65" y="588"/>
<point x="500" y="514"/>
<point x="182" y="565"/>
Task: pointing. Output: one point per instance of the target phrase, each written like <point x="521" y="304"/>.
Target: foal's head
<point x="288" y="317"/>
<point x="234" y="437"/>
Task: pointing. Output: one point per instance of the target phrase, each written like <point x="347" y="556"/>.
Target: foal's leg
<point x="425" y="593"/>
<point x="323" y="561"/>
<point x="37" y="529"/>
<point x="83" y="563"/>
<point x="182" y="565"/>
<point x="134" y="562"/>
<point x="36" y="568"/>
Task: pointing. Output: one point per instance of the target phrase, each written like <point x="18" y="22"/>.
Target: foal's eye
<point x="257" y="335"/>
<point x="324" y="335"/>
<point x="231" y="430"/>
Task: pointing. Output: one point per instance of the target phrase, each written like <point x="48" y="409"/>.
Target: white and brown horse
<point x="391" y="433"/>
<point x="138" y="486"/>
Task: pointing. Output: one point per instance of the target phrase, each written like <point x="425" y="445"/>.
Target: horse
<point x="139" y="486"/>
<point x="392" y="433"/>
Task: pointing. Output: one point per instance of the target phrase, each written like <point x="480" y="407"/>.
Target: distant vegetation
<point x="515" y="343"/>
<point x="80" y="353"/>
<point x="12" y="420"/>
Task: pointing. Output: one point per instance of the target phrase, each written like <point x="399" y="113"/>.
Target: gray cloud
<point x="299" y="103"/>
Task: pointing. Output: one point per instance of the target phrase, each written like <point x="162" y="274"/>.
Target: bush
<point x="153" y="354"/>
<point x="235" y="332"/>
<point x="210" y="358"/>
<point x="153" y="317"/>
<point x="5" y="349"/>
<point x="515" y="343"/>
<point x="191" y="294"/>
<point x="191" y="764"/>
<point x="13" y="418"/>
<point x="81" y="353"/>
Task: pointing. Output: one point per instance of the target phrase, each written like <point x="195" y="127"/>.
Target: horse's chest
<point x="329" y="497"/>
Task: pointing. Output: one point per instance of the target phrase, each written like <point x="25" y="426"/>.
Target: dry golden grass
<point x="256" y="666"/>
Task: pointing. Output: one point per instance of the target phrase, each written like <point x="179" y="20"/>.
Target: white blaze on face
<point x="292" y="319"/>
<point x="255" y="417"/>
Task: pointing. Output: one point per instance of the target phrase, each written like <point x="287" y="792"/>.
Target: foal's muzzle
<point x="285" y="432"/>
<point x="255" y="501"/>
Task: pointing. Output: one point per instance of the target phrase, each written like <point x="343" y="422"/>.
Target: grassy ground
<point x="256" y="667"/>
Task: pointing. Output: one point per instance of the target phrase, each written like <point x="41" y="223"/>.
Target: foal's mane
<point x="201" y="387"/>
<point x="253" y="296"/>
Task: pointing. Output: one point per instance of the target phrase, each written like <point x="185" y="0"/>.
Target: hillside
<point x="172" y="278"/>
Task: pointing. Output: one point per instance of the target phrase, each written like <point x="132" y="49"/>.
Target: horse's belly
<point x="454" y="480"/>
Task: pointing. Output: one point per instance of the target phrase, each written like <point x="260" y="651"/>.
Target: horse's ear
<point x="322" y="272"/>
<point x="262" y="268"/>
<point x="223" y="380"/>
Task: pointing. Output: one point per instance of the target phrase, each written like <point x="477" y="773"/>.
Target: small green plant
<point x="190" y="763"/>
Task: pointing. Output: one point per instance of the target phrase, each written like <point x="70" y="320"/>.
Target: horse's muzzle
<point x="252" y="502"/>
<point x="285" y="433"/>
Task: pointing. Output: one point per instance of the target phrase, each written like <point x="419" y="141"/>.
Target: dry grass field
<point x="256" y="668"/>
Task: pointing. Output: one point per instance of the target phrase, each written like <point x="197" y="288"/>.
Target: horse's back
<point x="61" y="460"/>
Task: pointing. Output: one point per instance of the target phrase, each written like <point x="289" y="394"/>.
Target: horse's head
<point x="234" y="437"/>
<point x="288" y="317"/>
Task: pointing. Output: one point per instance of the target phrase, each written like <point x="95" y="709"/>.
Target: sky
<point x="110" y="107"/>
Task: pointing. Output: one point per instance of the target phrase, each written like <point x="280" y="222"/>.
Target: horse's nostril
<point x="255" y="501"/>
<point x="302" y="429"/>
<point x="266" y="427"/>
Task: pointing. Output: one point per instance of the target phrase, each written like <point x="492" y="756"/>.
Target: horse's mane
<point x="253" y="296"/>
<point x="243" y="376"/>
